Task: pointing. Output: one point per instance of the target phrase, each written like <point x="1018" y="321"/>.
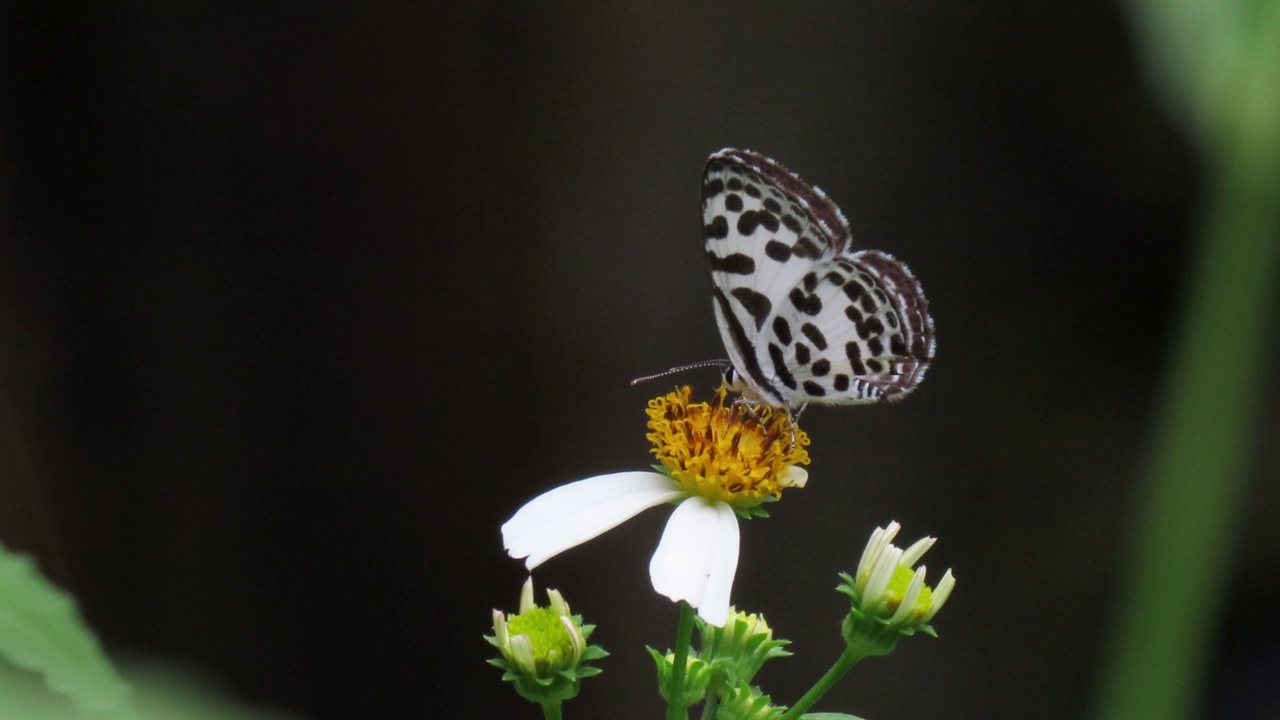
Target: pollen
<point x="741" y="454"/>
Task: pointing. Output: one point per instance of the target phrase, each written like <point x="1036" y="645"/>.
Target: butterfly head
<point x="734" y="383"/>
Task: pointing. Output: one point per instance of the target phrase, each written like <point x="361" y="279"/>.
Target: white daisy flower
<point x="719" y="461"/>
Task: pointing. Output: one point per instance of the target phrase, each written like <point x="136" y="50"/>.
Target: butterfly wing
<point x="764" y="227"/>
<point x="861" y="333"/>
<point x="803" y="318"/>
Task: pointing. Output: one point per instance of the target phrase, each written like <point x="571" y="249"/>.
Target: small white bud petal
<point x="879" y="540"/>
<point x="526" y="596"/>
<point x="909" y="599"/>
<point x="500" y="630"/>
<point x="881" y="574"/>
<point x="912" y="555"/>
<point x="940" y="594"/>
<point x="522" y="654"/>
<point x="558" y="603"/>
<point x="575" y="637"/>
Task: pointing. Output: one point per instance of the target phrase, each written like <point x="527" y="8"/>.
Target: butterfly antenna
<point x="682" y="368"/>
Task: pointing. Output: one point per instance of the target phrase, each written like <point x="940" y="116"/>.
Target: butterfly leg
<point x="795" y="420"/>
<point x="750" y="405"/>
<point x="795" y="416"/>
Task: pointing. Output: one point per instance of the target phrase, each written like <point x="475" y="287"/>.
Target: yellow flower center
<point x="739" y="454"/>
<point x="897" y="591"/>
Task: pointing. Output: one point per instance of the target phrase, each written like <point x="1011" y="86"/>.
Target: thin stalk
<point x="676" y="709"/>
<point x="713" y="701"/>
<point x="847" y="660"/>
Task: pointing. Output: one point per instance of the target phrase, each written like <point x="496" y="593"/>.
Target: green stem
<point x="551" y="710"/>
<point x="847" y="660"/>
<point x="676" y="709"/>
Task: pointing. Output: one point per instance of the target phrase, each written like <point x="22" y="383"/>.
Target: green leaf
<point x="42" y="631"/>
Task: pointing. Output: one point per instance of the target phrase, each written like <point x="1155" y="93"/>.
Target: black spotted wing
<point x="804" y="318"/>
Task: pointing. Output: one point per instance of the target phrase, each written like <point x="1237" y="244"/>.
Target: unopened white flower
<point x="717" y="461"/>
<point x="889" y="595"/>
<point x="888" y="583"/>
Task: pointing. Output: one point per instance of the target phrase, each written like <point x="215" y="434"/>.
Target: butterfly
<point x="804" y="317"/>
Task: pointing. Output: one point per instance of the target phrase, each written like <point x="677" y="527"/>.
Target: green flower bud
<point x="744" y="702"/>
<point x="543" y="648"/>
<point x="738" y="650"/>
<point x="697" y="676"/>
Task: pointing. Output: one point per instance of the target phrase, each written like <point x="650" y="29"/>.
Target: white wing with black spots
<point x="805" y="319"/>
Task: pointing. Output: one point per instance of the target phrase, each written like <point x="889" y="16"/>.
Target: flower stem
<point x="847" y="660"/>
<point x="551" y="710"/>
<point x="713" y="700"/>
<point x="676" y="709"/>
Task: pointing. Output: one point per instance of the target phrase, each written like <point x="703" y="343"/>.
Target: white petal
<point x="558" y="603"/>
<point x="576" y="639"/>
<point x="912" y="555"/>
<point x="573" y="514"/>
<point x="500" y="630"/>
<point x="879" y="539"/>
<point x="522" y="654"/>
<point x="526" y="596"/>
<point x="878" y="582"/>
<point x="941" y="593"/>
<point x="908" y="604"/>
<point x="794" y="476"/>
<point x="698" y="557"/>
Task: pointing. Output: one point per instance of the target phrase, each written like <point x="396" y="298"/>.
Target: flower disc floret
<point x="739" y="454"/>
<point x="553" y="647"/>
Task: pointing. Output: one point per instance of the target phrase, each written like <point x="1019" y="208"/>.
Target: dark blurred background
<point x="300" y="303"/>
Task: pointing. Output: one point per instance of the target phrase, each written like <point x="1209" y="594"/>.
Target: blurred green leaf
<point x="42" y="631"/>
<point x="165" y="692"/>
<point x="161" y="691"/>
<point x="1217" y="64"/>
